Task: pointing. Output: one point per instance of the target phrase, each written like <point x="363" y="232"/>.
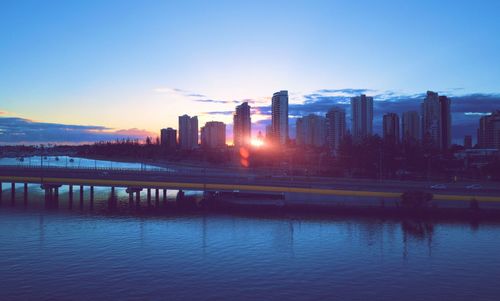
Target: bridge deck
<point x="236" y="182"/>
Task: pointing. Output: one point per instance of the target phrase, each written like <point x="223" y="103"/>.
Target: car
<point x="438" y="186"/>
<point x="473" y="186"/>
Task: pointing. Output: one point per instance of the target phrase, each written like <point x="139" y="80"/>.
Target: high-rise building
<point x="168" y="138"/>
<point x="445" y="106"/>
<point x="279" y="120"/>
<point x="311" y="131"/>
<point x="411" y="127"/>
<point x="431" y="116"/>
<point x="436" y="120"/>
<point x="269" y="133"/>
<point x="242" y="125"/>
<point x="188" y="132"/>
<point x="213" y="134"/>
<point x="335" y="128"/>
<point x="391" y="127"/>
<point x="362" y="117"/>
<point x="468" y="141"/>
<point x="488" y="134"/>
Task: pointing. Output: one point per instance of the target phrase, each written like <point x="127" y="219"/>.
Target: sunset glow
<point x="257" y="142"/>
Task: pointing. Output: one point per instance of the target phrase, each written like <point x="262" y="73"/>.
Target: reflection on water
<point x="82" y="254"/>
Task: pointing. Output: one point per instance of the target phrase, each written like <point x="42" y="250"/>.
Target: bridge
<point x="292" y="188"/>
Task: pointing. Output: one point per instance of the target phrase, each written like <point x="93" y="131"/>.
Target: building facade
<point x="488" y="134"/>
<point x="431" y="115"/>
<point x="279" y="120"/>
<point x="168" y="138"/>
<point x="362" y="117"/>
<point x="311" y="131"/>
<point x="411" y="127"/>
<point x="335" y="128"/>
<point x="242" y="125"/>
<point x="445" y="106"/>
<point x="213" y="134"/>
<point x="436" y="120"/>
<point x="188" y="132"/>
<point x="391" y="127"/>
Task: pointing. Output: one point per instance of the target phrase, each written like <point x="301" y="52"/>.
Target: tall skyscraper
<point x="188" y="132"/>
<point x="362" y="117"/>
<point x="311" y="131"/>
<point x="431" y="114"/>
<point x="168" y="138"/>
<point x="335" y="128"/>
<point x="411" y="127"/>
<point x="269" y="133"/>
<point x="213" y="134"/>
<point x="445" y="122"/>
<point x="280" y="117"/>
<point x="488" y="134"/>
<point x="391" y="127"/>
<point x="242" y="125"/>
<point x="436" y="120"/>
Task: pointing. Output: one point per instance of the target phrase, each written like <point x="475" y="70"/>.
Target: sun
<point x="256" y="142"/>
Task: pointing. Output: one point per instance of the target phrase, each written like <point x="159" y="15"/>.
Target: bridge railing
<point x="182" y="171"/>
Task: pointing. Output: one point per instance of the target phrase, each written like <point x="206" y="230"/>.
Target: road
<point x="230" y="180"/>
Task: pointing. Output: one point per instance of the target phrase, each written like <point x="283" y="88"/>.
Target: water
<point x="82" y="255"/>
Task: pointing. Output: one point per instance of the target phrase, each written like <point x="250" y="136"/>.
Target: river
<point x="83" y="254"/>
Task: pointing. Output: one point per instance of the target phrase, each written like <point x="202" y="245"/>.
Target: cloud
<point x="167" y="90"/>
<point x="211" y="101"/>
<point x="15" y="130"/>
<point x="344" y="92"/>
<point x="218" y="113"/>
<point x="5" y="113"/>
<point x="199" y="97"/>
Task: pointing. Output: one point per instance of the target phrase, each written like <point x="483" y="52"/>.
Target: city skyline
<point x="249" y="150"/>
<point x="466" y="111"/>
<point x="114" y="69"/>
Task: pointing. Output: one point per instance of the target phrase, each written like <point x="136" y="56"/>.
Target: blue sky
<point x="137" y="65"/>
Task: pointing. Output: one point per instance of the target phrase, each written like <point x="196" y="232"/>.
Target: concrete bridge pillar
<point x="91" y="197"/>
<point x="130" y="199"/>
<point x="81" y="196"/>
<point x="112" y="201"/>
<point x="131" y="191"/>
<point x="157" y="198"/>
<point x="13" y="193"/>
<point x="138" y="198"/>
<point x="149" y="197"/>
<point x="70" y="196"/>
<point x="25" y="194"/>
<point x="165" y="196"/>
<point x="51" y="195"/>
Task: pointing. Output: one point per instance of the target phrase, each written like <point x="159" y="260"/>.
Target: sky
<point x="91" y="70"/>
